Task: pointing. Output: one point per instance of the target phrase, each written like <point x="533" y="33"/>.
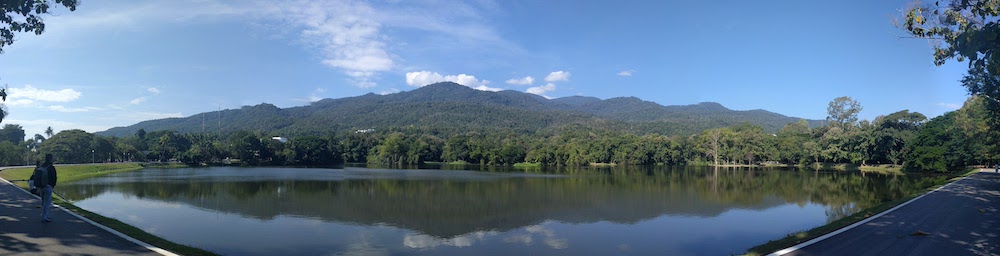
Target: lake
<point x="654" y="210"/>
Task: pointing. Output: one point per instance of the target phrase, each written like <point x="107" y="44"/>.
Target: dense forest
<point x="947" y="142"/>
<point x="449" y="108"/>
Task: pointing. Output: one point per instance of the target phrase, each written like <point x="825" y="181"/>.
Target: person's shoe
<point x="46" y="220"/>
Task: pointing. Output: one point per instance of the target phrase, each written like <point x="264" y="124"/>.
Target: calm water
<point x="362" y="211"/>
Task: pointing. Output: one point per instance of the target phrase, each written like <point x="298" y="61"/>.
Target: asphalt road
<point x="23" y="233"/>
<point x="958" y="219"/>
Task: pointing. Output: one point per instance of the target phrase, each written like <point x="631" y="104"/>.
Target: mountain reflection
<point x="454" y="207"/>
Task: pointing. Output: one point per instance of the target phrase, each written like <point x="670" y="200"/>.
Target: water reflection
<point x="435" y="211"/>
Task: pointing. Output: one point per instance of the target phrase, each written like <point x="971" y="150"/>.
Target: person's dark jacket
<point x="52" y="175"/>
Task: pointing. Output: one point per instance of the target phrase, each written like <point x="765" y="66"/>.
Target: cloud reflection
<point x="362" y="246"/>
<point x="548" y="237"/>
<point x="519" y="239"/>
<point x="421" y="241"/>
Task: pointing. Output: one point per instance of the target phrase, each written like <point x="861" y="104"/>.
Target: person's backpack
<point x="41" y="177"/>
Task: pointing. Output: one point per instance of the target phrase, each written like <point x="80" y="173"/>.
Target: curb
<point x="105" y="228"/>
<point x="859" y="223"/>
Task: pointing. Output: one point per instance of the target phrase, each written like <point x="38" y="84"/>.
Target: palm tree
<point x="48" y="131"/>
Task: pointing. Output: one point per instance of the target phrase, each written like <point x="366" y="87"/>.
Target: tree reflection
<point x="447" y="208"/>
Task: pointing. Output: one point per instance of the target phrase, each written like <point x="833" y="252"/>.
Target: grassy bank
<point x="68" y="173"/>
<point x="883" y="169"/>
<point x="800" y="237"/>
<point x="603" y="164"/>
<point x="164" y="165"/>
<point x="527" y="165"/>
<point x="77" y="172"/>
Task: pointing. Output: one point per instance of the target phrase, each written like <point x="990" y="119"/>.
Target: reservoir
<point x="646" y="210"/>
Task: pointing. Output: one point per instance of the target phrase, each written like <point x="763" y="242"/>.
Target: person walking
<point x="45" y="180"/>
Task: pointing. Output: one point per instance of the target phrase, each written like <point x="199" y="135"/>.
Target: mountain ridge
<point x="449" y="106"/>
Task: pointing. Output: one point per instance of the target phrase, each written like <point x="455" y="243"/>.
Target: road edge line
<point x="105" y="228"/>
<point x="859" y="223"/>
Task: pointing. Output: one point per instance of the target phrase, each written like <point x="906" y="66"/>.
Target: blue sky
<point x="116" y="63"/>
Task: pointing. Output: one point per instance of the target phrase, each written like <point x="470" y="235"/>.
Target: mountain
<point x="450" y="107"/>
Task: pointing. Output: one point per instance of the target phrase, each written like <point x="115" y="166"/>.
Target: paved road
<point x="958" y="219"/>
<point x="23" y="233"/>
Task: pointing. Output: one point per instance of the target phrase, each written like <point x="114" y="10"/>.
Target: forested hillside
<point x="452" y="108"/>
<point x="496" y="132"/>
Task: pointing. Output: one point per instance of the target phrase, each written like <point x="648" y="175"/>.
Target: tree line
<point x="903" y="138"/>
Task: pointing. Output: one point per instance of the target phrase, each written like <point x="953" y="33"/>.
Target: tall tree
<point x="31" y="11"/>
<point x="49" y="132"/>
<point x="964" y="29"/>
<point x="13" y="133"/>
<point x="843" y="112"/>
<point x="791" y="142"/>
<point x="710" y="140"/>
<point x="69" y="146"/>
<point x="141" y="134"/>
<point x="23" y="16"/>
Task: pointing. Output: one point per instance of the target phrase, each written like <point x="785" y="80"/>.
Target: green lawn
<point x="71" y="173"/>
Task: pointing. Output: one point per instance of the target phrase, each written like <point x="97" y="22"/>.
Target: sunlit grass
<point x="527" y="165"/>
<point x="881" y="169"/>
<point x="68" y="173"/>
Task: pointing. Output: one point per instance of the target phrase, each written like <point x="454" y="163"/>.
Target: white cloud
<point x="528" y="80"/>
<point x="28" y="94"/>
<point x="626" y="73"/>
<point x="952" y="106"/>
<point x="487" y="88"/>
<point x="345" y="32"/>
<point x="61" y="30"/>
<point x="423" y="78"/>
<point x="19" y="102"/>
<point x="153" y="90"/>
<point x="541" y="90"/>
<point x="388" y="91"/>
<point x="557" y="76"/>
<point x="462" y="27"/>
<point x="61" y="108"/>
<point x="37" y="126"/>
<point x="354" y="37"/>
<point x="136" y="101"/>
<point x="315" y="96"/>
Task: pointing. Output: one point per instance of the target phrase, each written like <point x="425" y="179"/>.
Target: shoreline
<point x="138" y="234"/>
<point x="15" y="173"/>
<point x="799" y="237"/>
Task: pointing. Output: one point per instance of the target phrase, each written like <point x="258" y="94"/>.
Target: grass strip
<point x="886" y="170"/>
<point x="68" y="173"/>
<point x="78" y="172"/>
<point x="164" y="165"/>
<point x="803" y="236"/>
<point x="134" y="232"/>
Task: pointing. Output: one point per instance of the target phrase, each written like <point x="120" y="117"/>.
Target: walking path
<point x="23" y="233"/>
<point x="960" y="218"/>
